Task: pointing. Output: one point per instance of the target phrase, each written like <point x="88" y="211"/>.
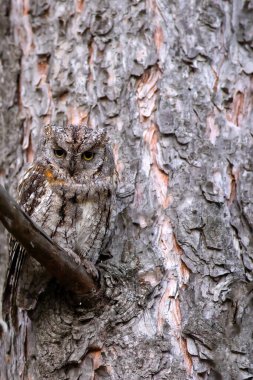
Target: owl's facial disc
<point x="78" y="154"/>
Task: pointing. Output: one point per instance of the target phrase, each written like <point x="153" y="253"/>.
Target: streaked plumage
<point x="68" y="191"/>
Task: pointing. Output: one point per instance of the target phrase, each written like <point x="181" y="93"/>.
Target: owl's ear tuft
<point x="48" y="131"/>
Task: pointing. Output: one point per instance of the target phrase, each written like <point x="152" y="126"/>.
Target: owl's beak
<point x="71" y="167"/>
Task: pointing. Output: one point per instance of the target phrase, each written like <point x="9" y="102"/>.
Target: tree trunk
<point x="171" y="81"/>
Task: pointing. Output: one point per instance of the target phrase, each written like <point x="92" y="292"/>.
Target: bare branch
<point x="40" y="246"/>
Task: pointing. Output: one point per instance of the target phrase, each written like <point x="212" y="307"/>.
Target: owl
<point x="68" y="191"/>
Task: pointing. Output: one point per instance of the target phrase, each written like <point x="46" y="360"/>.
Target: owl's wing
<point x="17" y="255"/>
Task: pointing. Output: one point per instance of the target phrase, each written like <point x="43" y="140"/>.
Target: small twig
<point x="41" y="247"/>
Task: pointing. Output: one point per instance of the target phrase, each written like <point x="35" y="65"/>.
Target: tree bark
<point x="172" y="83"/>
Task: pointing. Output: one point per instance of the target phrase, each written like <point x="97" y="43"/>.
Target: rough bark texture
<point x="172" y="81"/>
<point x="11" y="157"/>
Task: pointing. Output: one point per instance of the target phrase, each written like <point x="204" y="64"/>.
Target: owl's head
<point x="77" y="150"/>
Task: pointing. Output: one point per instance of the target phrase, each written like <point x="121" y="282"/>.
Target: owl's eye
<point x="60" y="153"/>
<point x="88" y="156"/>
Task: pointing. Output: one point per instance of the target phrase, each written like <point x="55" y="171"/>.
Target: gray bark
<point x="172" y="83"/>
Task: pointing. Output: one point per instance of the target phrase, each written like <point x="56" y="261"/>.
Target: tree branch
<point x="41" y="247"/>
